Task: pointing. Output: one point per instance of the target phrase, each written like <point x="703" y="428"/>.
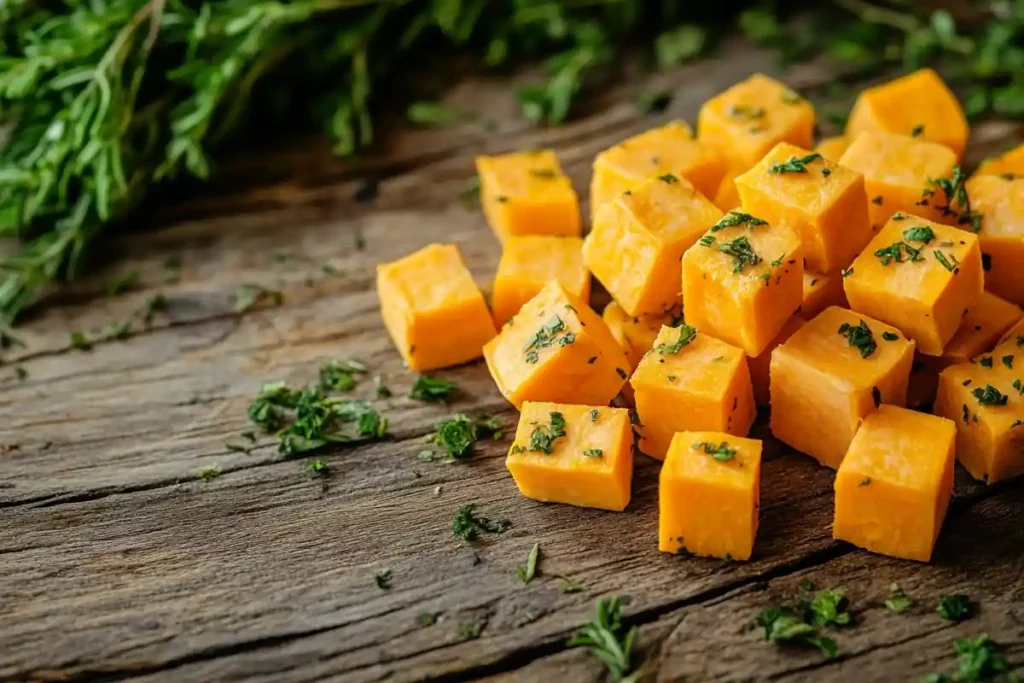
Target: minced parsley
<point x="860" y="337"/>
<point x="735" y="218"/>
<point x="990" y="396"/>
<point x="542" y="439"/>
<point x="467" y="525"/>
<point x="742" y="253"/>
<point x="552" y="332"/>
<point x="686" y="335"/>
<point x="795" y="164"/>
<point x="720" y="452"/>
<point x="430" y="389"/>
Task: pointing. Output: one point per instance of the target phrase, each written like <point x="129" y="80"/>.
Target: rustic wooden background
<point x="117" y="563"/>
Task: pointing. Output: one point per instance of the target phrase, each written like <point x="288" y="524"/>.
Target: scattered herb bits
<point x="468" y="525"/>
<point x="529" y="570"/>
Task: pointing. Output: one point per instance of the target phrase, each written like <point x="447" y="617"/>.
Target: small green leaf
<point x="435" y="114"/>
<point x="529" y="570"/>
<point x="679" y="44"/>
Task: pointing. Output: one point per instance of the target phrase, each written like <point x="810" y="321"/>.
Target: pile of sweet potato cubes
<point x="839" y="286"/>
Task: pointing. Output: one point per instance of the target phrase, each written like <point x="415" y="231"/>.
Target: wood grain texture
<point x="116" y="563"/>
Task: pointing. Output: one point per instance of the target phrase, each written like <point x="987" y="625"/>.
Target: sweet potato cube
<point x="820" y="292"/>
<point x="899" y="173"/>
<point x="919" y="276"/>
<point x="833" y="148"/>
<point x="1013" y="339"/>
<point x="751" y="117"/>
<point x="690" y="380"/>
<point x="825" y="203"/>
<point x="1000" y="202"/>
<point x="918" y="105"/>
<point x="556" y="349"/>
<point x="985" y="399"/>
<point x="1009" y="164"/>
<point x="709" y="494"/>
<point x="579" y="455"/>
<point x="727" y="197"/>
<point x="831" y="374"/>
<point x="529" y="262"/>
<point x="743" y="281"/>
<point x="893" y="487"/>
<point x="760" y="365"/>
<point x="636" y="334"/>
<point x="637" y="239"/>
<point x="432" y="308"/>
<point x="668" y="149"/>
<point x="526" y="193"/>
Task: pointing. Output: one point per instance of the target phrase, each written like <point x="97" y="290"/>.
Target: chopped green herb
<point x="209" y="472"/>
<point x="985" y="362"/>
<point x="958" y="203"/>
<point x="569" y="585"/>
<point x="894" y="252"/>
<point x="118" y="330"/>
<point x="470" y="630"/>
<point x="594" y="453"/>
<point x="668" y="178"/>
<point x="517" y="449"/>
<point x="846" y="272"/>
<point x="707" y="240"/>
<point x="686" y="335"/>
<point x="890" y="336"/>
<point x="606" y="637"/>
<point x="122" y="283"/>
<point x="247" y="296"/>
<point x="1019" y="386"/>
<point x="721" y="452"/>
<point x="78" y="341"/>
<point x="859" y="337"/>
<point x="425" y="619"/>
<point x="735" y="218"/>
<point x="898" y="601"/>
<point x="741" y="112"/>
<point x="552" y="332"/>
<point x="866" y="481"/>
<point x="529" y="570"/>
<point x="154" y="303"/>
<point x="829" y="608"/>
<point x="237" y="448"/>
<point x="950" y="264"/>
<point x="339" y="375"/>
<point x="593" y="415"/>
<point x="542" y="439"/>
<point x="382" y="577"/>
<point x="435" y="114"/>
<point x="917" y="130"/>
<point x="20" y="373"/>
<point x="877" y="201"/>
<point x="380" y="390"/>
<point x="980" y="659"/>
<point x="955" y="607"/>
<point x="318" y="468"/>
<point x="1007" y="360"/>
<point x="457" y="435"/>
<point x="467" y="525"/>
<point x="795" y="165"/>
<point x="430" y="389"/>
<point x="742" y="253"/>
<point x="990" y="396"/>
<point x="921" y="233"/>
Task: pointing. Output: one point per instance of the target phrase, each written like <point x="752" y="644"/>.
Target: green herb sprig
<point x="468" y="525"/>
<point x="608" y="640"/>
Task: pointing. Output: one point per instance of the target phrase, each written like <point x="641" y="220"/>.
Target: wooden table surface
<point x="117" y="563"/>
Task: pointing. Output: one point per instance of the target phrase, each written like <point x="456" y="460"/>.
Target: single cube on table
<point x="529" y="262"/>
<point x="999" y="201"/>
<point x="574" y="454"/>
<point x="918" y="105"/>
<point x="900" y="174"/>
<point x="760" y="365"/>
<point x="637" y="239"/>
<point x="821" y="291"/>
<point x="833" y="148"/>
<point x="690" y="380"/>
<point x="556" y="349"/>
<point x="920" y="276"/>
<point x="894" y="485"/>
<point x="985" y="398"/>
<point x="709" y="493"/>
<point x="743" y="280"/>
<point x="1010" y="164"/>
<point x="832" y="373"/>
<point x="668" y="149"/>
<point x="432" y="308"/>
<point x="526" y="193"/>
<point x="824" y="203"/>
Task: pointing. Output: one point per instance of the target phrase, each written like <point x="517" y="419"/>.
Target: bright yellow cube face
<point x="760" y="365"/>
<point x="1000" y="201"/>
<point x="833" y="148"/>
<point x="669" y="149"/>
<point x="637" y="239"/>
<point x="573" y="454"/>
<point x="898" y="173"/>
<point x="529" y="262"/>
<point x="985" y="400"/>
<point x="1009" y="164"/>
<point x="556" y="349"/>
<point x="751" y="117"/>
<point x="820" y="292"/>
<point x="919" y="276"/>
<point x="918" y="105"/>
<point x="690" y="380"/>
<point x="709" y="494"/>
<point x="832" y="373"/>
<point x="825" y="203"/>
<point x="526" y="193"/>
<point x="432" y="308"/>
<point x="743" y="282"/>
<point x="893" y="487"/>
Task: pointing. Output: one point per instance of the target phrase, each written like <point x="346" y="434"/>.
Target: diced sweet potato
<point x="760" y="365"/>
<point x="1000" y="202"/>
<point x="833" y="148"/>
<point x="820" y="292"/>
<point x="529" y="262"/>
<point x="1009" y="164"/>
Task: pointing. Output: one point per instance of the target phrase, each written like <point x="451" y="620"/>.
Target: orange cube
<point x="636" y="334"/>
<point x="528" y="262"/>
<point x="1010" y="164"/>
<point x="526" y="193"/>
<point x="578" y="455"/>
<point x="751" y="117"/>
<point x="1000" y="201"/>
<point x="432" y="308"/>
<point x="690" y="380"/>
<point x="920" y="276"/>
<point x="832" y="373"/>
<point x="709" y="495"/>
<point x="917" y="105"/>
<point x="833" y="148"/>
<point x="820" y="292"/>
<point x="668" y="149"/>
<point x="743" y="281"/>
<point x="826" y="204"/>
<point x="1013" y="339"/>
<point x="893" y="487"/>
<point x="985" y="399"/>
<point x="556" y="349"/>
<point x="637" y="239"/>
<point x="760" y="366"/>
<point x="899" y="174"/>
